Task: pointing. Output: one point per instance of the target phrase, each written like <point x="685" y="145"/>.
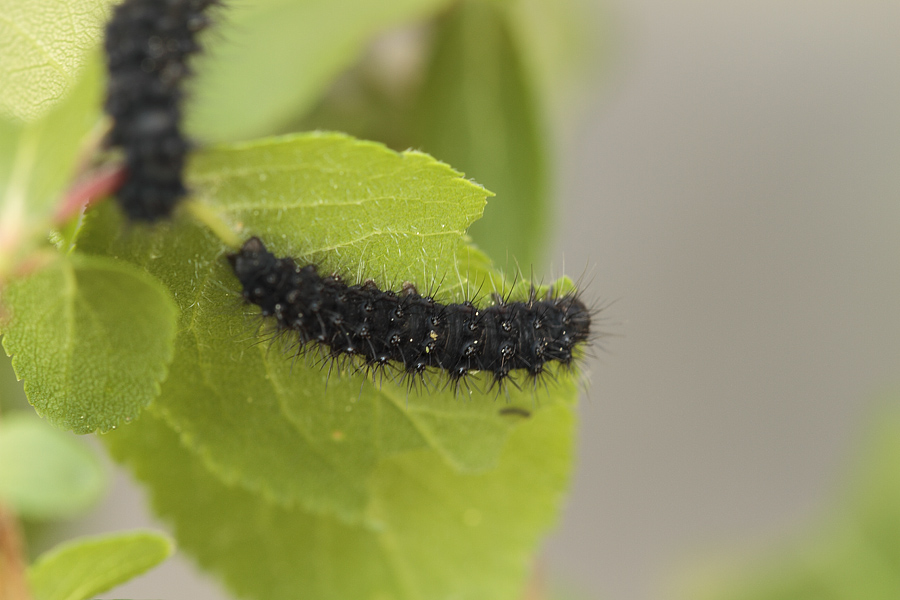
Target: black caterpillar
<point x="408" y="329"/>
<point x="147" y="44"/>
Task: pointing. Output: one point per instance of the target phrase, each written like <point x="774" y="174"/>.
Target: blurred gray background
<point x="734" y="184"/>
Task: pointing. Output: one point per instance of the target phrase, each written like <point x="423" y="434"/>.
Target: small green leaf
<point x="92" y="337"/>
<point x="45" y="44"/>
<point x="287" y="427"/>
<point x="302" y="47"/>
<point x="479" y="112"/>
<point x="37" y="157"/>
<point x="12" y="396"/>
<point x="89" y="566"/>
<point x="875" y="487"/>
<point x="431" y="532"/>
<point x="45" y="473"/>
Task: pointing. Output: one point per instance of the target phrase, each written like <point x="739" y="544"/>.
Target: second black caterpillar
<point x="384" y="328"/>
<point x="147" y="45"/>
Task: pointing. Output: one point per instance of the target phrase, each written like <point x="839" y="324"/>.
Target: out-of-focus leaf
<point x="92" y="337"/>
<point x="43" y="46"/>
<point x="37" y="157"/>
<point x="361" y="103"/>
<point x="853" y="553"/>
<point x="478" y="111"/>
<point x="45" y="473"/>
<point x="269" y="60"/>
<point x="83" y="568"/>
<point x="875" y="487"/>
<point x="560" y="44"/>
<point x="835" y="563"/>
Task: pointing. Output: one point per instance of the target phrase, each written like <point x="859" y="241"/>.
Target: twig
<point x="13" y="582"/>
<point x="97" y="184"/>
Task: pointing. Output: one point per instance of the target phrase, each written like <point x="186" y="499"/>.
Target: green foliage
<point x="558" y="42"/>
<point x="875" y="490"/>
<point x="358" y="208"/>
<point x="45" y="45"/>
<point x="478" y="111"/>
<point x="45" y="473"/>
<point x="355" y="206"/>
<point x="12" y="394"/>
<point x="277" y="473"/>
<point x="270" y="60"/>
<point x="89" y="566"/>
<point x="92" y="338"/>
<point x="37" y="157"/>
<point x="429" y="531"/>
<point x="852" y="553"/>
<point x="476" y="104"/>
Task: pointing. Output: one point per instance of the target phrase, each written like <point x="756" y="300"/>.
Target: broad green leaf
<point x="37" y="157"/>
<point x="269" y="60"/>
<point x="285" y="425"/>
<point x="45" y="473"/>
<point x="44" y="45"/>
<point x="92" y="338"/>
<point x="83" y="568"/>
<point x="478" y="111"/>
<point x="431" y="531"/>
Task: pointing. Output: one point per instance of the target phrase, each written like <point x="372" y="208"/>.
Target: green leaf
<point x="478" y="111"/>
<point x="875" y="488"/>
<point x="833" y="563"/>
<point x="562" y="44"/>
<point x="431" y="532"/>
<point x="286" y="426"/>
<point x="352" y="206"/>
<point x="45" y="473"/>
<point x="92" y="338"/>
<point x="37" y="158"/>
<point x="269" y="60"/>
<point x="45" y="45"/>
<point x="367" y="103"/>
<point x="12" y="396"/>
<point x="89" y="566"/>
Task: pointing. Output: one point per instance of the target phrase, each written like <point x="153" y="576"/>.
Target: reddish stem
<point x="97" y="184"/>
<point x="13" y="582"/>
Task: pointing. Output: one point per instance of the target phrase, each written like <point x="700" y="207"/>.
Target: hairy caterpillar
<point x="147" y="46"/>
<point x="408" y="330"/>
<point x="148" y="43"/>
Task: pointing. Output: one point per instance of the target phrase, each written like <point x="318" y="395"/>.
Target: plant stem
<point x="100" y="183"/>
<point x="214" y="222"/>
<point x="13" y="581"/>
